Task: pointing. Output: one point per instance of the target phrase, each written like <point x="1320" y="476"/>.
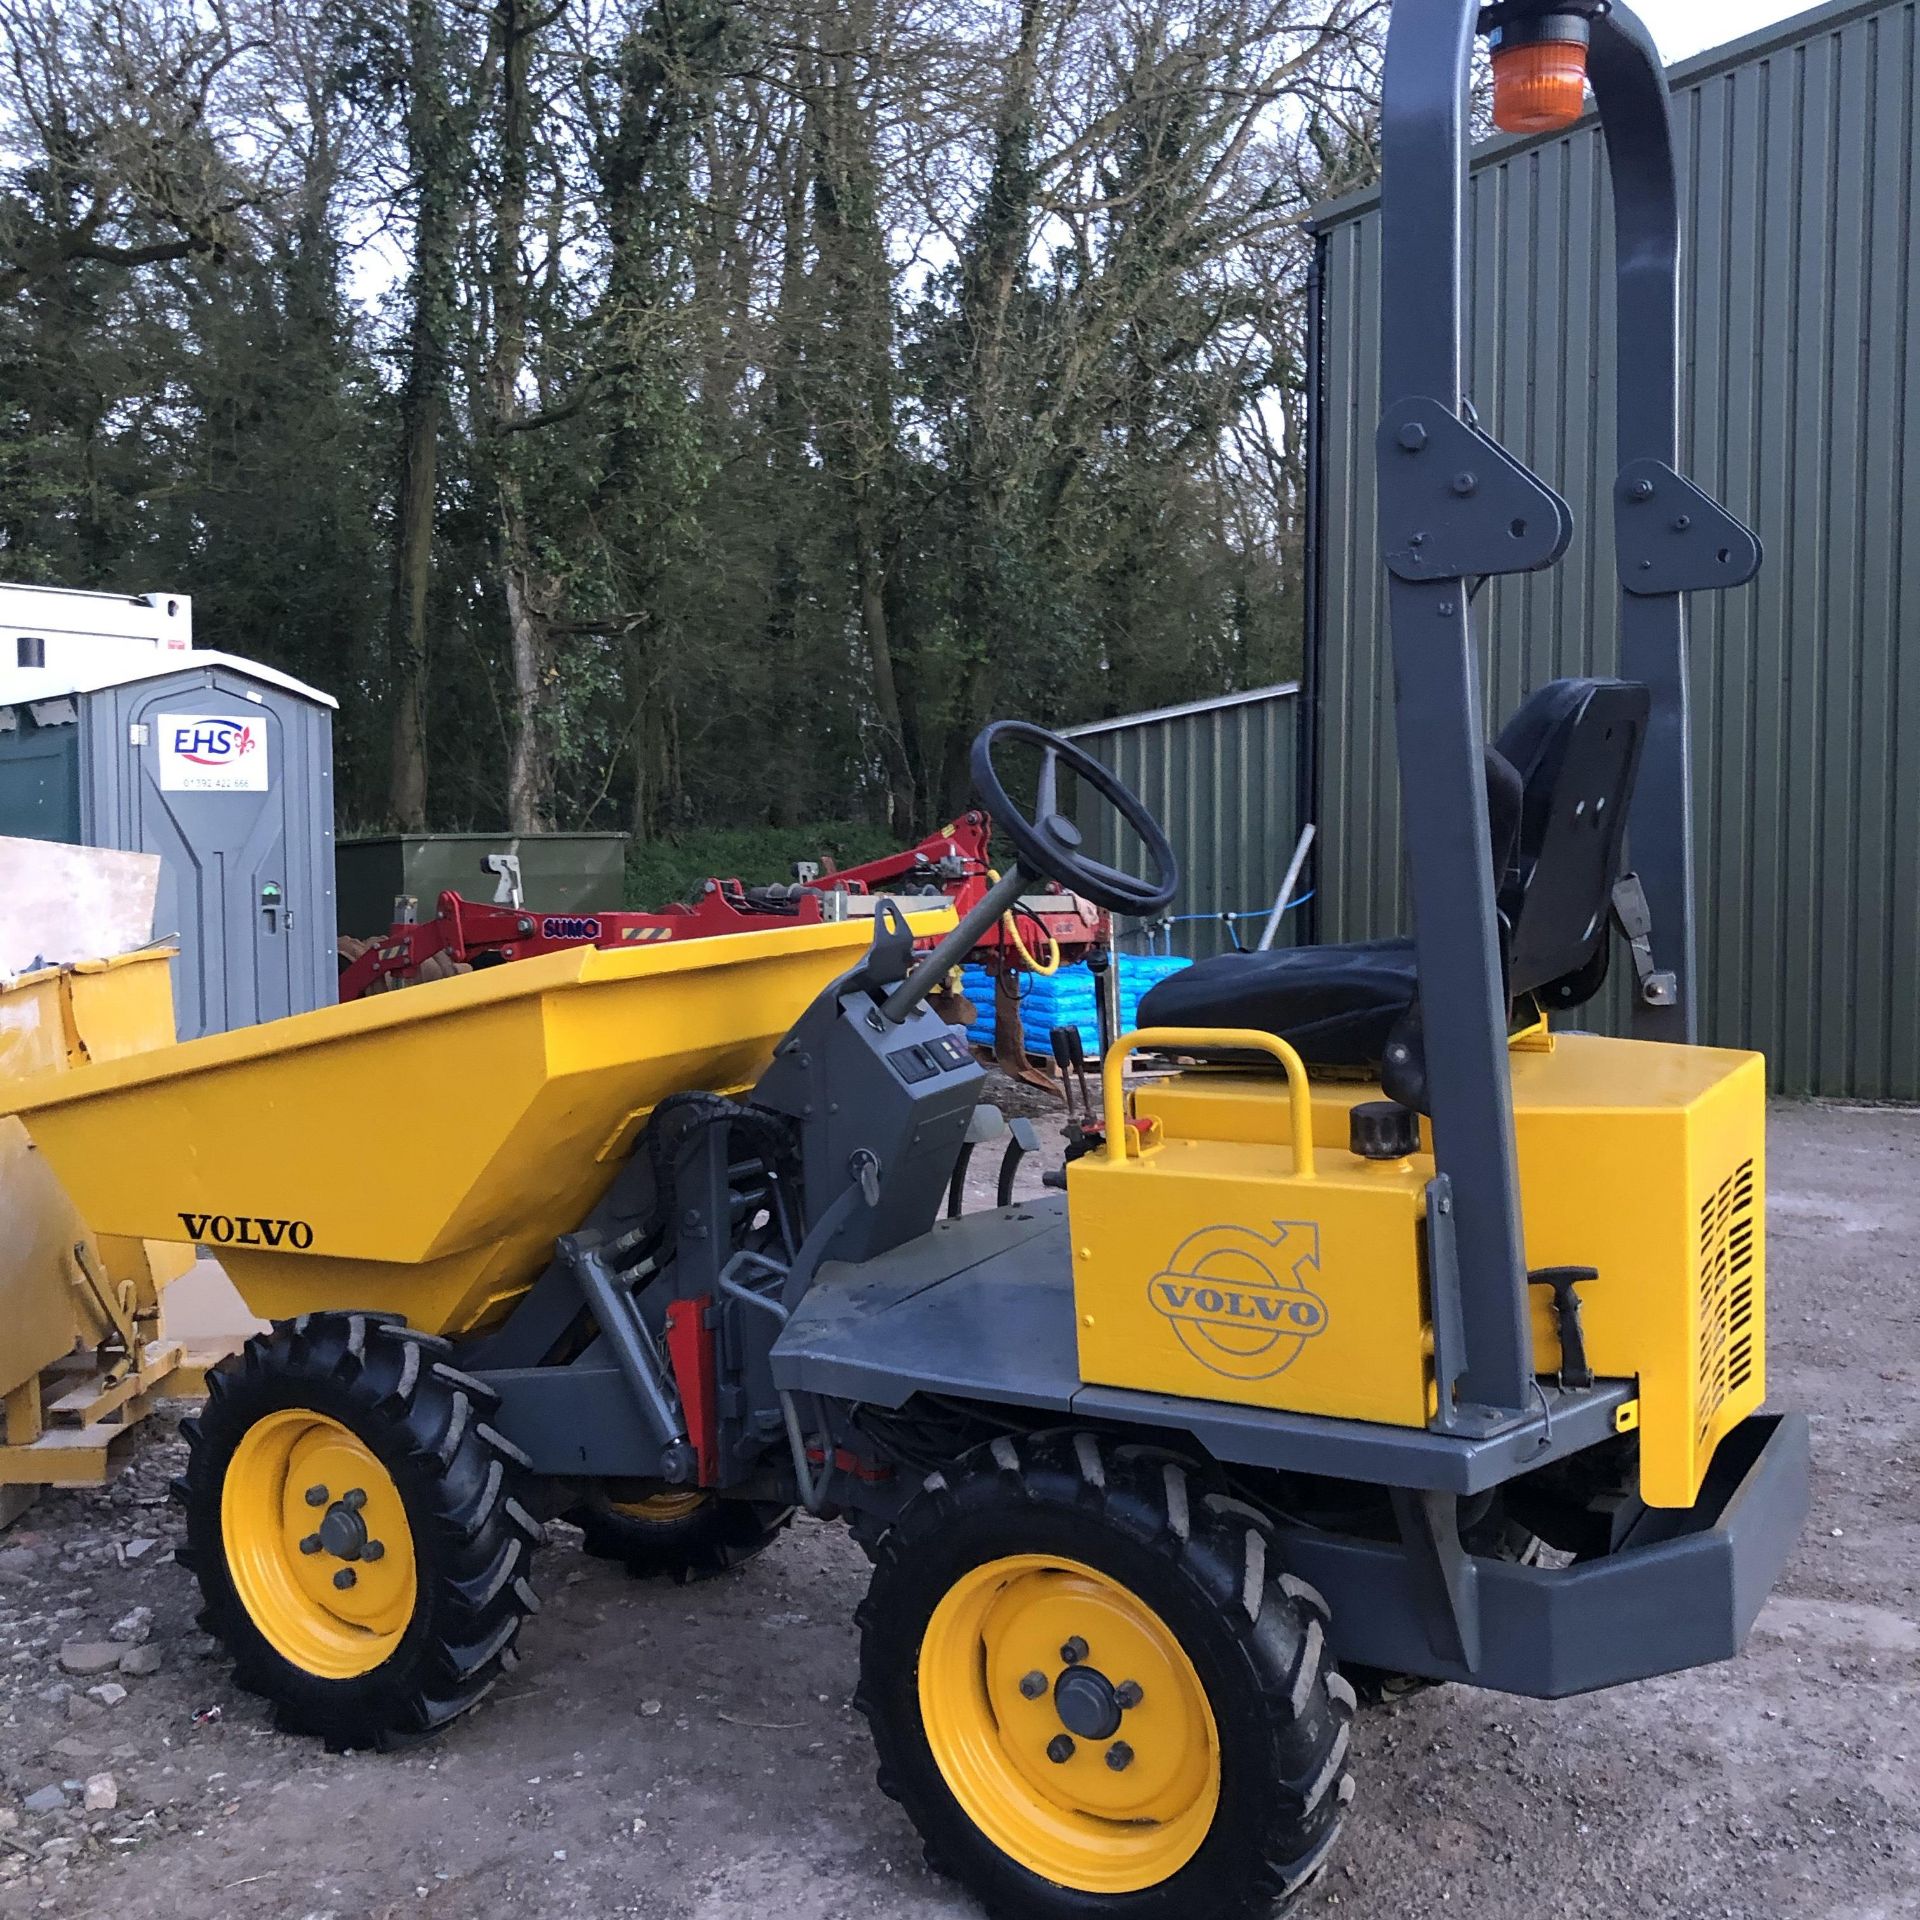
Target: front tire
<point x="356" y="1529"/>
<point x="1095" y="1693"/>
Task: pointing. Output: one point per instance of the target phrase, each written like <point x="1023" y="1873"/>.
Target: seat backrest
<point x="1576" y="746"/>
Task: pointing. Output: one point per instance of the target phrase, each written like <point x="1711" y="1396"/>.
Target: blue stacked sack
<point x="1067" y="999"/>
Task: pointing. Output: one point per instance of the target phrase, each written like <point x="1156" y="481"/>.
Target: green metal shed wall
<point x="1800" y="162"/>
<point x="1222" y="777"/>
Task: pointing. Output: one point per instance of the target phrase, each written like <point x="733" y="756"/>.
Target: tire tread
<point x="473" y="1539"/>
<point x="1231" y="1558"/>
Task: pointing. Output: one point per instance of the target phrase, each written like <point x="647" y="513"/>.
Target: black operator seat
<point x="1558" y="782"/>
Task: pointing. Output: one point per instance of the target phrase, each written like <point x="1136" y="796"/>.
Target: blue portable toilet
<point x="224" y="768"/>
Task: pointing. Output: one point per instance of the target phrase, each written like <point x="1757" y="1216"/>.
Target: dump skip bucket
<point x="419" y="1152"/>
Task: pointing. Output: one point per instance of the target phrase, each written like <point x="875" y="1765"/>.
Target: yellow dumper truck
<point x="1384" y="1329"/>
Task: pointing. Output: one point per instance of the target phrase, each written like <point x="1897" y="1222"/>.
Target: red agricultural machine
<point x="1045" y="929"/>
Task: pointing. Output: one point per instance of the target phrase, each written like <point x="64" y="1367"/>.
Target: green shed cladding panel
<point x="1222" y="776"/>
<point x="1800" y="158"/>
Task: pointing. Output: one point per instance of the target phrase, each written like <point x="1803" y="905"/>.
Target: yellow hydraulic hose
<point x="1010" y="922"/>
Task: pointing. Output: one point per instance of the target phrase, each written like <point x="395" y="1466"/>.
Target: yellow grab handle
<point x="1208" y="1040"/>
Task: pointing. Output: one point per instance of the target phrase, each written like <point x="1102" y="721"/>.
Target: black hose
<point x="1009" y="1169"/>
<point x="957" y="1186"/>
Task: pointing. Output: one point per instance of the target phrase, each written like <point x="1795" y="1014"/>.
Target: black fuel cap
<point x="1383" y="1130"/>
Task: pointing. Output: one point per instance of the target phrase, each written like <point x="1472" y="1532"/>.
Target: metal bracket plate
<point x="1672" y="538"/>
<point x="1443" y="1285"/>
<point x="1455" y="504"/>
<point x="1441" y="1573"/>
<point x="1658" y="987"/>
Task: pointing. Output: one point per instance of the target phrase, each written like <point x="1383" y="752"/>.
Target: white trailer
<point x="61" y="631"/>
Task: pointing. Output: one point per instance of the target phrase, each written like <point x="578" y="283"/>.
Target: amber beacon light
<point x="1539" y="72"/>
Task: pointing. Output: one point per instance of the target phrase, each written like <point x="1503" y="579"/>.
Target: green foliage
<point x="799" y="385"/>
<point x="661" y="871"/>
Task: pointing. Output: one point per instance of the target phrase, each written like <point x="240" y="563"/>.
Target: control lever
<point x="1063" y="1059"/>
<point x="1062" y="1041"/>
<point x="1077" y="1054"/>
<point x="1083" y="1134"/>
<point x="1565" y="1282"/>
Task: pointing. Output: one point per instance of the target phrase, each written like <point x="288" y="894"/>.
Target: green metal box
<point x="559" y="872"/>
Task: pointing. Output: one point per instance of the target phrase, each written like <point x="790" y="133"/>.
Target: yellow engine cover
<point x="1205" y="1267"/>
<point x="1649" y="1163"/>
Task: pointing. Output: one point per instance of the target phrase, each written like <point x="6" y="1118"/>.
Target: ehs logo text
<point x="215" y="743"/>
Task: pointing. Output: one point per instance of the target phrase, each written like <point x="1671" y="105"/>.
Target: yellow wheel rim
<point x="305" y="1501"/>
<point x="662" y="1509"/>
<point x="1096" y="1811"/>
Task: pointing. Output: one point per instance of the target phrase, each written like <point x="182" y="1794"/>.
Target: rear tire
<point x="1221" y="1793"/>
<point x="683" y="1537"/>
<point x="371" y="1621"/>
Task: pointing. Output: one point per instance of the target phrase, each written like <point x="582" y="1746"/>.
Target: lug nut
<point x="1033" y="1686"/>
<point x="311" y="1544"/>
<point x="1074" y="1651"/>
<point x="1060" y="1749"/>
<point x="373" y="1550"/>
<point x="353" y="1498"/>
<point x="1128" y="1695"/>
<point x="345" y="1578"/>
<point x="316" y="1496"/>
<point x="1119" y="1756"/>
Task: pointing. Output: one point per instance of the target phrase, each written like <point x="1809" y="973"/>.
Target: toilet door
<point x="210" y="799"/>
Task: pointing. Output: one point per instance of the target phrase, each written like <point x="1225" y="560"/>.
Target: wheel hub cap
<point x="1085" y="1700"/>
<point x="343" y="1533"/>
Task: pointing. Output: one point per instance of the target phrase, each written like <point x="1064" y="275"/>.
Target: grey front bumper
<point x="1684" y="1590"/>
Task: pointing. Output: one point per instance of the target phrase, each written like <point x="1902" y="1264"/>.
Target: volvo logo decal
<point x="246" y="1230"/>
<point x="1240" y="1302"/>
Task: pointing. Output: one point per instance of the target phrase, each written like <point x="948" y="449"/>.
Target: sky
<point x="1684" y="27"/>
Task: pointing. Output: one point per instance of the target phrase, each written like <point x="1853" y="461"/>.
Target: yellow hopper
<point x="418" y="1153"/>
<point x="85" y="1356"/>
<point x="63" y="1018"/>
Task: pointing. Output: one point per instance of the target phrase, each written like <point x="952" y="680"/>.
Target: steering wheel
<point x="1049" y="844"/>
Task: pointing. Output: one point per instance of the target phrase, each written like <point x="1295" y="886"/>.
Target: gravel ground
<point x="688" y="1755"/>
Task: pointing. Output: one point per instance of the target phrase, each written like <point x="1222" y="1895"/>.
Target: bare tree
<point x="138" y="121"/>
